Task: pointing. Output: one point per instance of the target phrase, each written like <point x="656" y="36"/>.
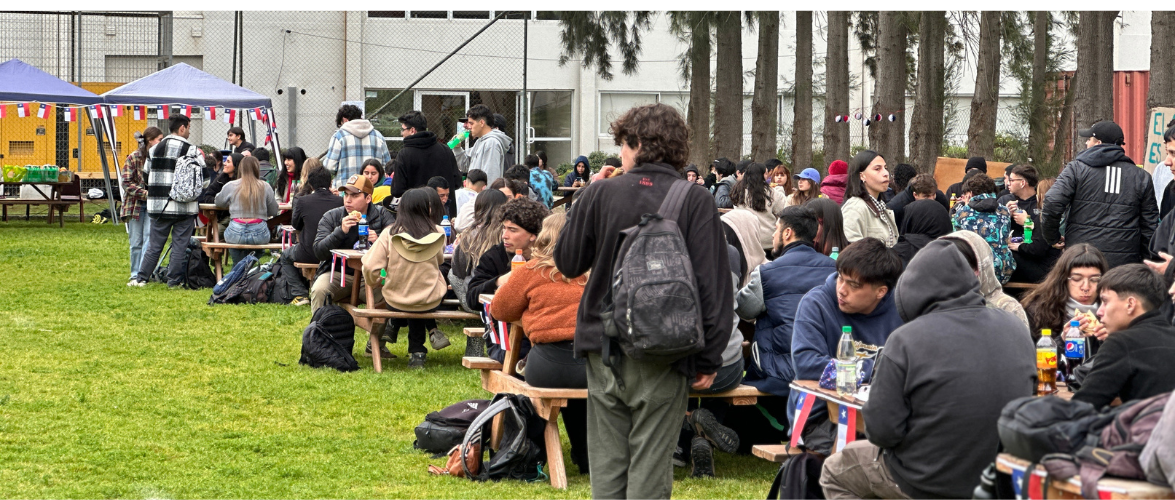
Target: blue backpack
<point x="240" y="269"/>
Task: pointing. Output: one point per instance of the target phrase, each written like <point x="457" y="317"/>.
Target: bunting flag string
<point x="164" y="112"/>
<point x="116" y="111"/>
<point x="70" y="114"/>
<point x="22" y="110"/>
<point x="43" y="111"/>
<point x="210" y="112"/>
<point x="139" y="113"/>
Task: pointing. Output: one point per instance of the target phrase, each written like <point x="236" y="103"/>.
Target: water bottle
<point x="461" y="136"/>
<point x="518" y="260"/>
<point x="846" y="364"/>
<point x="448" y="229"/>
<point x="363" y="232"/>
<point x="835" y="253"/>
<point x="1046" y="364"/>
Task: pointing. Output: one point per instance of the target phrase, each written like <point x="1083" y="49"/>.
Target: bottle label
<point x="1075" y="348"/>
<point x="1046" y="358"/>
<point x="363" y="230"/>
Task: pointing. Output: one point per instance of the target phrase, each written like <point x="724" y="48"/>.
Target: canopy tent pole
<point x="112" y="136"/>
<point x="100" y="135"/>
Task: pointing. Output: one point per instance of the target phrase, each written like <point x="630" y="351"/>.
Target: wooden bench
<point x="216" y="252"/>
<point x="1021" y="286"/>
<point x="54" y="205"/>
<point x="374" y="319"/>
<point x="1108" y="487"/>
<point x="778" y="453"/>
<point x="308" y="269"/>
<point x="502" y="377"/>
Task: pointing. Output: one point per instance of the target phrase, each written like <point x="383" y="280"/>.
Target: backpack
<point x="652" y="308"/>
<point x="197" y="271"/>
<point x="239" y="270"/>
<point x="520" y="454"/>
<point x="187" y="180"/>
<point x="256" y="287"/>
<point x="538" y="182"/>
<point x="798" y="477"/>
<point x="1158" y="456"/>
<point x="329" y="340"/>
<point x="1032" y="427"/>
<point x="1121" y="443"/>
<point x="442" y="430"/>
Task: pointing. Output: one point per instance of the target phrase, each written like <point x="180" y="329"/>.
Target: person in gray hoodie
<point x="938" y="388"/>
<point x="725" y="170"/>
<point x="489" y="153"/>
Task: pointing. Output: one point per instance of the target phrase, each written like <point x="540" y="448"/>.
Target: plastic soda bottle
<point x="518" y="260"/>
<point x="835" y="253"/>
<point x="461" y="136"/>
<point x="846" y="364"/>
<point x="1028" y="226"/>
<point x="448" y="227"/>
<point x="1074" y="341"/>
<point x="363" y="231"/>
<point x="1046" y="364"/>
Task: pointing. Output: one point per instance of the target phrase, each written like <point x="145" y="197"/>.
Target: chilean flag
<point x="847" y="420"/>
<point x="116" y="111"/>
<point x="22" y="110"/>
<point x="209" y="112"/>
<point x="163" y="111"/>
<point x="3" y="111"/>
<point x="803" y="409"/>
<point x="96" y="112"/>
<point x="231" y="115"/>
<point x="71" y="114"/>
<point x="43" y="111"/>
<point x="186" y="110"/>
<point x="272" y="120"/>
<point x="139" y="113"/>
<point x="255" y="114"/>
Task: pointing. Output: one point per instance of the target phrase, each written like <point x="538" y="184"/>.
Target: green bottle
<point x="1028" y="225"/>
<point x="458" y="138"/>
<point x="835" y="253"/>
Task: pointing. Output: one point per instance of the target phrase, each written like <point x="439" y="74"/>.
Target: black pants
<point x="417" y="330"/>
<point x="727" y="378"/>
<point x="295" y="283"/>
<point x="554" y="365"/>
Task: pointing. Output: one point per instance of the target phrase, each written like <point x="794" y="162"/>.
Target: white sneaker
<point x="136" y="282"/>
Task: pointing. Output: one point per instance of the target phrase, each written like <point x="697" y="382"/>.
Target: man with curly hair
<point x="631" y="445"/>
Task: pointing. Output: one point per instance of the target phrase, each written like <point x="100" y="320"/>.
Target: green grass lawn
<point x="108" y="391"/>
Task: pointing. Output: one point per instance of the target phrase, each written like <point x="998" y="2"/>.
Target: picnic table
<point x="52" y="199"/>
<point x="1039" y="484"/>
<point x="568" y="193"/>
<point x="210" y="211"/>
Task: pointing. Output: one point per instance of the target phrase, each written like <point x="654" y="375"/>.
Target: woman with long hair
<point x="546" y="302"/>
<point x="1068" y="292"/>
<point x="864" y="213"/>
<point x="134" y="204"/>
<point x="780" y="178"/>
<point x="309" y="165"/>
<point x="477" y="240"/>
<point x="830" y="233"/>
<point x="807" y="188"/>
<point x="752" y="193"/>
<point x="411" y="252"/>
<point x="250" y="201"/>
<point x="289" y="176"/>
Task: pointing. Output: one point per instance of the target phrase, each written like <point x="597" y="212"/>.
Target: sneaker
<point x="679" y="457"/>
<point x="706" y="425"/>
<point x="416" y="360"/>
<point x="391" y="333"/>
<point x="136" y="282"/>
<point x="475" y="347"/>
<point x="438" y="339"/>
<point x="384" y="353"/>
<point x="702" y="456"/>
<point x="520" y="367"/>
<point x="300" y="301"/>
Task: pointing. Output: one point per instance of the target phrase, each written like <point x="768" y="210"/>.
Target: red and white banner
<point x="164" y="112"/>
<point x="70" y="114"/>
<point x="186" y="110"/>
<point x="22" y="110"/>
<point x="116" y="111"/>
<point x="846" y="427"/>
<point x="43" y="111"/>
<point x="139" y="113"/>
<point x="209" y="112"/>
<point x="96" y="112"/>
<point x="230" y="115"/>
<point x="255" y="114"/>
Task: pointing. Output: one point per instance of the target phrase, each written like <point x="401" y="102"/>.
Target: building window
<point x="471" y="14"/>
<point x="517" y="14"/>
<point x="429" y="14"/>
<point x="614" y="104"/>
<point x="391" y="14"/>
<point x="20" y="148"/>
<point x="547" y="15"/>
<point x="384" y="114"/>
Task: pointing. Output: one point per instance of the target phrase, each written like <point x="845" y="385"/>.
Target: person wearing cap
<point x="339" y="230"/>
<point x="807" y="187"/>
<point x="834" y="184"/>
<point x="973" y="163"/>
<point x="1109" y="200"/>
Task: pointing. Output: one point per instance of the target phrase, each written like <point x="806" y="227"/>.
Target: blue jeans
<point x="139" y="231"/>
<point x="245" y="234"/>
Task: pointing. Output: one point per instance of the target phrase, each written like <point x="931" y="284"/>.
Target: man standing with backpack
<point x="630" y="400"/>
<point x="171" y="216"/>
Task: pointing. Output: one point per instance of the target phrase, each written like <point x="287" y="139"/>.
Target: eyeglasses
<point x="1079" y="280"/>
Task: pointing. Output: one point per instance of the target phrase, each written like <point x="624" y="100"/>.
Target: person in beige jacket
<point x="864" y="213"/>
<point x="752" y="194"/>
<point x="410" y="253"/>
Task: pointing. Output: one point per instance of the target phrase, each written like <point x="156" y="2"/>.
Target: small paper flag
<point x="43" y="111"/>
<point x="139" y="113"/>
<point x="164" y="112"/>
<point x="71" y="114"/>
<point x="116" y="111"/>
<point x="209" y="112"/>
<point x="22" y="110"/>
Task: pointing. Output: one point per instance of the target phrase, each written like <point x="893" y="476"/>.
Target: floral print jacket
<point x="987" y="218"/>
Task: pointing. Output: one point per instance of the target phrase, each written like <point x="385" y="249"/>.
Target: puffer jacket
<point x="993" y="222"/>
<point x="833" y="186"/>
<point x="1111" y="205"/>
<point x="722" y="192"/>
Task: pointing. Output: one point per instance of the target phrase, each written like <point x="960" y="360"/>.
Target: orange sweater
<point x="547" y="308"/>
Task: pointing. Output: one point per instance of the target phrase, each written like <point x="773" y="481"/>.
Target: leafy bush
<point x="952" y="151"/>
<point x="1010" y="148"/>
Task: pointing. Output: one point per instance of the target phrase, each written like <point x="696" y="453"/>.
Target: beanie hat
<point x="838" y="167"/>
<point x="976" y="162"/>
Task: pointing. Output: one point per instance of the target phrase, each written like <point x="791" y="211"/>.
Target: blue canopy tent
<point x="21" y="82"/>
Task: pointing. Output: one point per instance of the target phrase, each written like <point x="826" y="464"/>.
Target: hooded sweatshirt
<point x="573" y="175"/>
<point x="990" y="287"/>
<point x="414" y="281"/>
<point x="992" y="221"/>
<point x="354" y="143"/>
<point x="421" y="159"/>
<point x="1110" y="204"/>
<point x="925" y="220"/>
<point x="833" y="185"/>
<point x="943" y="378"/>
<point x="746" y="227"/>
<point x="489" y="154"/>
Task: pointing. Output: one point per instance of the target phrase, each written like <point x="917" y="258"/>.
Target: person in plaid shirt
<point x="355" y="142"/>
<point x="134" y="206"/>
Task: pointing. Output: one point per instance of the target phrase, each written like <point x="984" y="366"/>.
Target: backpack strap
<point x="499" y="404"/>
<point x="674" y="200"/>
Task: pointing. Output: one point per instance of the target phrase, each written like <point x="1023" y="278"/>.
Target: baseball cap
<point x="358" y="184"/>
<point x="1105" y="131"/>
<point x="810" y="174"/>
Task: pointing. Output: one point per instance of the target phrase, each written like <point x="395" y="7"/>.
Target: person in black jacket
<point x="1035" y="259"/>
<point x="937" y="389"/>
<point x="422" y="159"/>
<point x="307" y="213"/>
<point x="1110" y="201"/>
<point x="1134" y="361"/>
<point x="338" y="230"/>
<point x="906" y="196"/>
<point x="632" y="447"/>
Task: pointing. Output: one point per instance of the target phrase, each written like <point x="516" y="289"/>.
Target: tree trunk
<point x="985" y="102"/>
<point x="885" y="137"/>
<point x="728" y="87"/>
<point x="801" y="132"/>
<point x="836" y="88"/>
<point x="1064" y="126"/>
<point x="765" y="103"/>
<point x="1038" y="120"/>
<point x="1095" y="71"/>
<point x="926" y="127"/>
<point x="1162" y="78"/>
<point x="699" y="93"/>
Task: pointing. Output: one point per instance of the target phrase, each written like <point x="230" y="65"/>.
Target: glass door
<point x="442" y="109"/>
<point x="551" y="126"/>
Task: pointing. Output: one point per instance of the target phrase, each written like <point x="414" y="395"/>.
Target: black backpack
<point x="521" y="453"/>
<point x="198" y="271"/>
<point x="1032" y="427"/>
<point x="798" y="477"/>
<point x="442" y="430"/>
<point x="255" y="287"/>
<point x="652" y="309"/>
<point x="329" y="340"/>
